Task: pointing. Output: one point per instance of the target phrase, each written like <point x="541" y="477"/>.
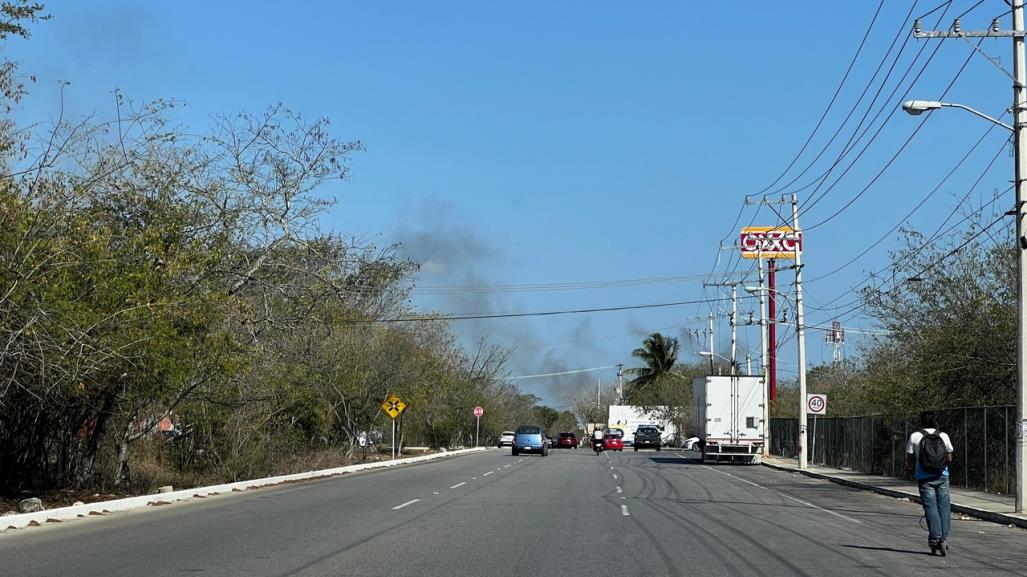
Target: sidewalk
<point x="987" y="506"/>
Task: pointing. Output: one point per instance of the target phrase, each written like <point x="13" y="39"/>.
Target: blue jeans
<point x="934" y="496"/>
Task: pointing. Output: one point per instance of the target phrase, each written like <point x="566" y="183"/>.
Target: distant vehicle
<point x="567" y="441"/>
<point x="729" y="418"/>
<point x="550" y="441"/>
<point x="506" y="439"/>
<point x="530" y="439"/>
<point x="689" y="443"/>
<point x="629" y="418"/>
<point x="613" y="442"/>
<point x="648" y="437"/>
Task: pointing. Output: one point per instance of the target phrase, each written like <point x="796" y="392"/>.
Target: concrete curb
<point x="992" y="516"/>
<point x="105" y="507"/>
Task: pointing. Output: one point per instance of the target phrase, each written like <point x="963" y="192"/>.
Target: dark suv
<point x="648" y="437"/>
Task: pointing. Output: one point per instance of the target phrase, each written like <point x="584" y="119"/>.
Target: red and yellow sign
<point x="770" y="242"/>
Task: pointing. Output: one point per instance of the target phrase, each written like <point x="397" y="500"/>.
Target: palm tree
<point x="660" y="354"/>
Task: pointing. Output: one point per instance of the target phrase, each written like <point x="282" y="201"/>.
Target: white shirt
<point x="597" y="434"/>
<point x="913" y="448"/>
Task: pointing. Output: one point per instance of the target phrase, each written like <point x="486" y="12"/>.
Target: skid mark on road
<point x="785" y="495"/>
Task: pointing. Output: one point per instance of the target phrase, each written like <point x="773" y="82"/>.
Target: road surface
<point x="491" y="514"/>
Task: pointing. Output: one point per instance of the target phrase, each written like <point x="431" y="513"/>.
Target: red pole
<point x="772" y="333"/>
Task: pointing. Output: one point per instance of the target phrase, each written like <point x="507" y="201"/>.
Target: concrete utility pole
<point x="764" y="361"/>
<point x="620" y="382"/>
<point x="734" y="324"/>
<point x="800" y="332"/>
<point x="1019" y="77"/>
<point x="711" y="344"/>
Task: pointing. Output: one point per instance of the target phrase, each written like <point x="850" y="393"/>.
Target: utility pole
<point x="764" y="361"/>
<point x="734" y="323"/>
<point x="800" y="332"/>
<point x="620" y="382"/>
<point x="711" y="344"/>
<point x="748" y="363"/>
<point x="1019" y="77"/>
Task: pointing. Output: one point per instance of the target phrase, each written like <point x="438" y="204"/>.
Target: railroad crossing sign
<point x="478" y="411"/>
<point x="393" y="406"/>
<point x="816" y="404"/>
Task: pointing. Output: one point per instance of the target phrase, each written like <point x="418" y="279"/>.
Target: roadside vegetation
<point x="171" y="311"/>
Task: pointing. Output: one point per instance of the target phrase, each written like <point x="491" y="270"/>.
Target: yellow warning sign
<point x="393" y="406"/>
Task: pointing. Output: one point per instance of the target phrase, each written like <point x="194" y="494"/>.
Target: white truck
<point x="628" y="418"/>
<point x="729" y="418"/>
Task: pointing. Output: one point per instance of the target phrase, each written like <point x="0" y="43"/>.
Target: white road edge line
<point x="459" y="485"/>
<point x="624" y="511"/>
<point x="787" y="496"/>
<point x="411" y="502"/>
<point x="487" y="474"/>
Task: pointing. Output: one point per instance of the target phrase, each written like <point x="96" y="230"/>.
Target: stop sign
<point x="478" y="411"/>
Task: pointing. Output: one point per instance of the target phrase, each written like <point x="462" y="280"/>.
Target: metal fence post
<point x="985" y="448"/>
<point x="966" y="455"/>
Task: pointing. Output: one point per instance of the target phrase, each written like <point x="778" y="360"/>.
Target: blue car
<point x="530" y="439"/>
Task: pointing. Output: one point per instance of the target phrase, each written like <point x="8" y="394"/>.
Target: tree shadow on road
<point x="906" y="551"/>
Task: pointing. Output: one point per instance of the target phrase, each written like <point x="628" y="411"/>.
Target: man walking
<point x="929" y="453"/>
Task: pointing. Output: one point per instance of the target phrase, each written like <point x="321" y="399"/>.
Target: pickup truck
<point x="648" y="437"/>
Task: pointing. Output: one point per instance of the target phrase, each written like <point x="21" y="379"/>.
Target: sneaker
<point x="943" y="548"/>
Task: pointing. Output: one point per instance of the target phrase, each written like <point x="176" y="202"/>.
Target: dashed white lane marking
<point x="474" y="478"/>
<point x="785" y="495"/>
<point x="611" y="467"/>
<point x="487" y="474"/>
<point x="619" y="490"/>
<point x="615" y="476"/>
<point x="624" y="510"/>
<point x="434" y="492"/>
<point x="519" y="460"/>
<point x="410" y="502"/>
<point x="459" y="485"/>
<point x="506" y="466"/>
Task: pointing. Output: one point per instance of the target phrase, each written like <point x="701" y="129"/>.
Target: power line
<point x="539" y="287"/>
<point x="894" y="156"/>
<point x="574" y="372"/>
<point x="923" y="201"/>
<point x="454" y="317"/>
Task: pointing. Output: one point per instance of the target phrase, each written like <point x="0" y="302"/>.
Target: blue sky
<point x="561" y="142"/>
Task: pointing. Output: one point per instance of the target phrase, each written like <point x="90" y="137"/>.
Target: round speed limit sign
<point x="816" y="404"/>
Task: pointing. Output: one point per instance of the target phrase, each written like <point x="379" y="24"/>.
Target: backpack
<point x="933" y="453"/>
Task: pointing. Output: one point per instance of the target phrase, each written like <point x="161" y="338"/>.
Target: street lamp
<point x="915" y="107"/>
<point x="712" y="354"/>
<point x="918" y="107"/>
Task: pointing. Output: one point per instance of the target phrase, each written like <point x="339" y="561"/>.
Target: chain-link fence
<point x="983" y="438"/>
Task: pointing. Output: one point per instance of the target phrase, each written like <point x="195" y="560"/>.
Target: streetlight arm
<point x="978" y="113"/>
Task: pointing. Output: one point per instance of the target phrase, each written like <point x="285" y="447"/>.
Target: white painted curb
<point x="103" y="507"/>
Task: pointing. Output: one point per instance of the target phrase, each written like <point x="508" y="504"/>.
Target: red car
<point x="613" y="443"/>
<point x="567" y="441"/>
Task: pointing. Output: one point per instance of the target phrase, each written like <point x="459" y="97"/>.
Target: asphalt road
<point x="495" y="515"/>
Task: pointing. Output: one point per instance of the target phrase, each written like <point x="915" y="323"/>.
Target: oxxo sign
<point x="770" y="242"/>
